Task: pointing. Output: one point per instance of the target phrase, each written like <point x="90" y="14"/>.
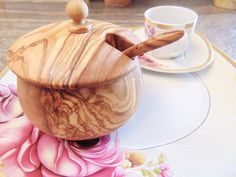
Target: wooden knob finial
<point x="77" y="10"/>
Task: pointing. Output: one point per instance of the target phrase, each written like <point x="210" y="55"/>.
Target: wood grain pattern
<point x="77" y="10"/>
<point x="152" y="43"/>
<point x="54" y="57"/>
<point x="119" y="41"/>
<point x="72" y="84"/>
<point x="81" y="113"/>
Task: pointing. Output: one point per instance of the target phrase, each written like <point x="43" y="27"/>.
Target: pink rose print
<point x="164" y="170"/>
<point x="9" y="103"/>
<point x="150" y="30"/>
<point x="148" y="61"/>
<point x="46" y="173"/>
<point x="25" y="151"/>
<point x="18" y="148"/>
<point x="67" y="158"/>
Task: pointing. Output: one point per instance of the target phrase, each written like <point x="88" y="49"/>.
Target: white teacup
<point x="162" y="19"/>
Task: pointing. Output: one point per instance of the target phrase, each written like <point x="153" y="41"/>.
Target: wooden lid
<point x="70" y="54"/>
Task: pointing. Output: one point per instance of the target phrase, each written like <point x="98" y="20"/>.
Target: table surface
<point x="219" y="25"/>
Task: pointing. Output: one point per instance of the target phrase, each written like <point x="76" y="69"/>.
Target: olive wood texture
<point x="136" y="48"/>
<point x="152" y="43"/>
<point x="72" y="84"/>
<point x="77" y="10"/>
<point x="55" y="57"/>
<point x="81" y="113"/>
<point x="86" y="112"/>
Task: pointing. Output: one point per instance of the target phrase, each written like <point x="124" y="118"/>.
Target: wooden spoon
<point x="152" y="43"/>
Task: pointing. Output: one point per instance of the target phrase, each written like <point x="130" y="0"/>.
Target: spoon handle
<point x="152" y="43"/>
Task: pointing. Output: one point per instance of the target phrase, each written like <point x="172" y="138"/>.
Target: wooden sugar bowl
<point x="72" y="83"/>
<point x="78" y="79"/>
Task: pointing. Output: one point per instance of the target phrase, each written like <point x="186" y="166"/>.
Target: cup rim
<point x="171" y="24"/>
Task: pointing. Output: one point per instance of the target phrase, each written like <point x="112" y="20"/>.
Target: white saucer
<point x="198" y="56"/>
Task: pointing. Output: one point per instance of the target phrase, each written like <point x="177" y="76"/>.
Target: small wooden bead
<point x="77" y="10"/>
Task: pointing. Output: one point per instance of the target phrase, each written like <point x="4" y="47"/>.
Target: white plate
<point x="210" y="151"/>
<point x="179" y="103"/>
<point x="198" y="56"/>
